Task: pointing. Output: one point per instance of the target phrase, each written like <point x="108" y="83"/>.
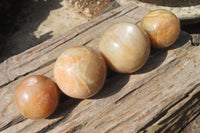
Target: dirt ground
<point x="27" y="23"/>
<point x="92" y="8"/>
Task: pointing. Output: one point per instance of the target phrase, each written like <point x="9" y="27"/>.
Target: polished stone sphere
<point x="80" y="72"/>
<point x="162" y="26"/>
<point x="36" y="97"/>
<point x="125" y="47"/>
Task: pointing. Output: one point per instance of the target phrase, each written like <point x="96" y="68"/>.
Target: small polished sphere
<point x="162" y="26"/>
<point x="36" y="97"/>
<point x="80" y="72"/>
<point x="125" y="47"/>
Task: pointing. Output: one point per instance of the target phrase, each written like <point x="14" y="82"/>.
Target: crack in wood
<point x="124" y="96"/>
<point x="180" y="121"/>
<point x="162" y="125"/>
<point x="76" y="128"/>
<point x="195" y="117"/>
<point x="84" y="44"/>
<point x="126" y="12"/>
<point x="118" y="124"/>
<point x="18" y="77"/>
<point x="51" y="126"/>
<point x="13" y="122"/>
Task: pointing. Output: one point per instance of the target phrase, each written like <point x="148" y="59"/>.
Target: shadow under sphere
<point x="158" y="56"/>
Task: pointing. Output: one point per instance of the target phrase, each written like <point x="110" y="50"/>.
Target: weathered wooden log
<point x="163" y="96"/>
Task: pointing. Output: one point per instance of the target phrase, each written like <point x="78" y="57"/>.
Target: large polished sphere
<point x="80" y="72"/>
<point x="36" y="97"/>
<point x="125" y="47"/>
<point x="162" y="26"/>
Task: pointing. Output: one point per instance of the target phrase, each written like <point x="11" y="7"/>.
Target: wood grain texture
<point x="163" y="96"/>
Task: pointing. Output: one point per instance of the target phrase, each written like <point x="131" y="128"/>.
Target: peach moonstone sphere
<point x="162" y="26"/>
<point x="36" y="97"/>
<point x="80" y="72"/>
<point x="125" y="47"/>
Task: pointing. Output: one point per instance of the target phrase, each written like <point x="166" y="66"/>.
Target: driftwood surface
<point x="163" y="96"/>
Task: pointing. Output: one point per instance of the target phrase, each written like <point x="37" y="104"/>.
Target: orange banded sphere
<point x="36" y="97"/>
<point x="162" y="26"/>
<point x="125" y="47"/>
<point x="80" y="72"/>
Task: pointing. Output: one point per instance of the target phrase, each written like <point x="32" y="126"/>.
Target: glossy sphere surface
<point x="162" y="26"/>
<point x="125" y="47"/>
<point x="80" y="72"/>
<point x="36" y="97"/>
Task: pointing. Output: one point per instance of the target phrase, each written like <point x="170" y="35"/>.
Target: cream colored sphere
<point x="162" y="27"/>
<point x="125" y="47"/>
<point x="80" y="72"/>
